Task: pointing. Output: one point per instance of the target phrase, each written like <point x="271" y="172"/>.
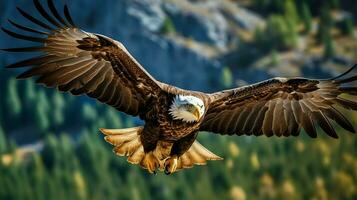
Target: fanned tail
<point x="126" y="142"/>
<point x="196" y="155"/>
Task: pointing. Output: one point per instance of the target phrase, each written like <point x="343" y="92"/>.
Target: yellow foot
<point x="150" y="162"/>
<point x="171" y="165"/>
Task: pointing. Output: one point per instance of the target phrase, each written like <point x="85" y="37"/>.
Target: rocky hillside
<point x="183" y="40"/>
<point x="176" y="41"/>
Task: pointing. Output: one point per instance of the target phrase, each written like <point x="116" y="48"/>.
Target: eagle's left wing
<point x="282" y="107"/>
<point x="79" y="62"/>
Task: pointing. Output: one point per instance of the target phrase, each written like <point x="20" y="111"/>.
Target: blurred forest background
<point x="50" y="146"/>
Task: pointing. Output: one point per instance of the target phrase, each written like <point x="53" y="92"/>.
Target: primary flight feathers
<point x="78" y="62"/>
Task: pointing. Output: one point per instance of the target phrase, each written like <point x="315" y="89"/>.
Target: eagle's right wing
<point x="84" y="63"/>
<point x="281" y="107"/>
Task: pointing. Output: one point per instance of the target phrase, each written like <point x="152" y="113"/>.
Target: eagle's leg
<point x="149" y="141"/>
<point x="178" y="149"/>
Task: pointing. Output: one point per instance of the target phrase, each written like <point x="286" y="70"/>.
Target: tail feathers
<point x="126" y="142"/>
<point x="196" y="155"/>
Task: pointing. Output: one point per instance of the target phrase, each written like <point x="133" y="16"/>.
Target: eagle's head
<point x="187" y="108"/>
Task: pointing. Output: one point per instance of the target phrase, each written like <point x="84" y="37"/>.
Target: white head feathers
<point x="187" y="108"/>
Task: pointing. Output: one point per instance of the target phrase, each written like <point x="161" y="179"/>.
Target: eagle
<point x="84" y="63"/>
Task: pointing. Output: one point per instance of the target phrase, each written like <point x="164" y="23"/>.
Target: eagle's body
<point x="85" y="63"/>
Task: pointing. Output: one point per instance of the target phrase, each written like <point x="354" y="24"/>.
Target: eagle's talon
<point x="150" y="162"/>
<point x="171" y="165"/>
<point x="167" y="172"/>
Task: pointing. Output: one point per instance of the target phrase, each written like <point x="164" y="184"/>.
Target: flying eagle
<point x="79" y="62"/>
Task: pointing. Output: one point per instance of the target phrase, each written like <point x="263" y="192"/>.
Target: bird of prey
<point x="79" y="62"/>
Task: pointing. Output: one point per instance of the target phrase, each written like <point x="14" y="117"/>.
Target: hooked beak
<point x="196" y="113"/>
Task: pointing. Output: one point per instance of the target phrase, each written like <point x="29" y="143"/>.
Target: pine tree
<point x="41" y="111"/>
<point x="291" y="11"/>
<point x="274" y="58"/>
<point x="277" y="29"/>
<point x="326" y="24"/>
<point x="261" y="39"/>
<point x="58" y="108"/>
<point x="292" y="21"/>
<point x="30" y="92"/>
<point x="306" y="17"/>
<point x="50" y="153"/>
<point x="39" y="177"/>
<point x="329" y="50"/>
<point x="292" y="36"/>
<point x="168" y="26"/>
<point x="3" y="142"/>
<point x="226" y="77"/>
<point x="89" y="114"/>
<point x="12" y="98"/>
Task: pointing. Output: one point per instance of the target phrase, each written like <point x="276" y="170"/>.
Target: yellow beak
<point x="196" y="113"/>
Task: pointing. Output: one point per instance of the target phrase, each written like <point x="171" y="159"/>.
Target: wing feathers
<point x="268" y="119"/>
<point x="325" y="124"/>
<point x="55" y="12"/>
<point x="68" y="16"/>
<point x="24" y="49"/>
<point x="336" y="115"/>
<point x="23" y="37"/>
<point x="45" y="14"/>
<point x="32" y="61"/>
<point x="34" y="20"/>
<point x="83" y="63"/>
<point x="282" y="107"/>
<point x="27" y="28"/>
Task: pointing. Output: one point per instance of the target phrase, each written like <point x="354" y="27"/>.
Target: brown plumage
<point x="84" y="63"/>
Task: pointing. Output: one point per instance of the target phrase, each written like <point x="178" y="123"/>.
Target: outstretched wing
<point x="282" y="107"/>
<point x="83" y="63"/>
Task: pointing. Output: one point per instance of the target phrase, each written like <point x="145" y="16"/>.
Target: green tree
<point x="41" y="111"/>
<point x="226" y="77"/>
<point x="39" y="177"/>
<point x="50" y="152"/>
<point x="326" y="24"/>
<point x="292" y="21"/>
<point x="290" y="11"/>
<point x="329" y="47"/>
<point x="89" y="114"/>
<point x="58" y="108"/>
<point x="277" y="30"/>
<point x="12" y="97"/>
<point x="259" y="36"/>
<point x="30" y="92"/>
<point x="306" y="17"/>
<point x="274" y="58"/>
<point x="3" y="143"/>
<point x="168" y="26"/>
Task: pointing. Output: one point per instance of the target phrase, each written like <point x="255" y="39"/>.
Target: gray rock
<point x="134" y="23"/>
<point x="207" y="26"/>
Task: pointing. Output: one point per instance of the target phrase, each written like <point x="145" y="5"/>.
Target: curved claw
<point x="150" y="162"/>
<point x="171" y="165"/>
